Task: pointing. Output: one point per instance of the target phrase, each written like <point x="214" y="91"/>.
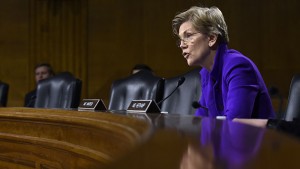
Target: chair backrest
<point x="180" y="102"/>
<point x="3" y="94"/>
<point x="60" y="91"/>
<point x="139" y="86"/>
<point x="293" y="106"/>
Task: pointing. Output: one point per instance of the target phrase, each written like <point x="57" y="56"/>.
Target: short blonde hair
<point x="206" y="20"/>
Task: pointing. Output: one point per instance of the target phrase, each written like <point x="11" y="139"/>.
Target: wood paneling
<point x="14" y="49"/>
<point x="58" y="35"/>
<point x="124" y="33"/>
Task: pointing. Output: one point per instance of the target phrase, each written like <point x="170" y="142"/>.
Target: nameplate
<point x="144" y="106"/>
<point x="92" y="104"/>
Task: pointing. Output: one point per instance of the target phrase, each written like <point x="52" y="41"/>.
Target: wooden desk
<point x="43" y="138"/>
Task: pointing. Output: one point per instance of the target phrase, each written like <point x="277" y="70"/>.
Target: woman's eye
<point x="188" y="35"/>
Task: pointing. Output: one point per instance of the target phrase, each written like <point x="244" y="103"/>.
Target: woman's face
<point x="194" y="45"/>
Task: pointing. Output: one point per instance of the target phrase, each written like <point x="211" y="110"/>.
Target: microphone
<point x="179" y="83"/>
<point x="197" y="105"/>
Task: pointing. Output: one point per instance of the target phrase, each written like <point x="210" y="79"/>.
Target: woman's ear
<point x="212" y="40"/>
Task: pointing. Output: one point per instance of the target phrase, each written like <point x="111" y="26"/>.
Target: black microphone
<point x="179" y="83"/>
<point x="197" y="105"/>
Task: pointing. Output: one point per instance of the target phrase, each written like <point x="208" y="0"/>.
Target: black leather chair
<point x="180" y="102"/>
<point x="293" y="106"/>
<point x="60" y="91"/>
<point x="3" y="94"/>
<point x="139" y="86"/>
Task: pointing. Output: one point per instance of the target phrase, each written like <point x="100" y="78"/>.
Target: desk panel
<point x="44" y="138"/>
<point x="53" y="138"/>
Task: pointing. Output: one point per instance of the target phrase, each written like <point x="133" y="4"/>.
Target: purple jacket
<point x="234" y="88"/>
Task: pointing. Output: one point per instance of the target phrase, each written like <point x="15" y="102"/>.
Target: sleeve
<point x="27" y="99"/>
<point x="243" y="87"/>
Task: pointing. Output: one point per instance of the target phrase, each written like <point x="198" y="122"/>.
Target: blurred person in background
<point x="41" y="71"/>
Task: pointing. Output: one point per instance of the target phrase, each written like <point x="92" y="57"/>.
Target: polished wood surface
<point x="187" y="142"/>
<point x="41" y="138"/>
<point x="52" y="138"/>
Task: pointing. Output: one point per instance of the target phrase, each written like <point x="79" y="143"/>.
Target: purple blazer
<point x="234" y="88"/>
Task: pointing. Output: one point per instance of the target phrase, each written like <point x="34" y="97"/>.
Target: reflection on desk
<point x="232" y="144"/>
<point x="47" y="138"/>
<point x="188" y="142"/>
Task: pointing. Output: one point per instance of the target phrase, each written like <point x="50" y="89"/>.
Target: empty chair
<point x="60" y="91"/>
<point x="180" y="102"/>
<point x="293" y="106"/>
<point x="139" y="86"/>
<point x="3" y="94"/>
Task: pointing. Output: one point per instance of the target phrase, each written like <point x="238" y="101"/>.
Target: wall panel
<point x="58" y="35"/>
<point x="14" y="48"/>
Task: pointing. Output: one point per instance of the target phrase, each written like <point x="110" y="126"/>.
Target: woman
<point x="232" y="85"/>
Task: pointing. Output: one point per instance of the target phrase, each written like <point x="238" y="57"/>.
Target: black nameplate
<point x="92" y="104"/>
<point x="145" y="106"/>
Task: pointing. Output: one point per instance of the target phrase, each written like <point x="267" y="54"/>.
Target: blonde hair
<point x="206" y="20"/>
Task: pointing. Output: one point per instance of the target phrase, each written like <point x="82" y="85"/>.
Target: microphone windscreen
<point x="180" y="81"/>
<point x="196" y="105"/>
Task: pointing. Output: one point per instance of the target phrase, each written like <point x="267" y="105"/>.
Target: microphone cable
<point x="179" y="83"/>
